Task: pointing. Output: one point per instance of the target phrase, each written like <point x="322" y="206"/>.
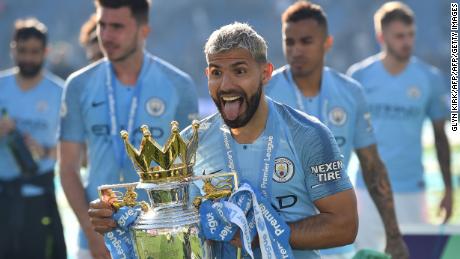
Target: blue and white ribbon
<point x="118" y="241"/>
<point x="251" y="213"/>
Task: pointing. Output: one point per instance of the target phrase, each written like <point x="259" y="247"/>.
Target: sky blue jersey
<point x="340" y="105"/>
<point x="305" y="161"/>
<point x="162" y="93"/>
<point x="399" y="105"/>
<point x="35" y="112"/>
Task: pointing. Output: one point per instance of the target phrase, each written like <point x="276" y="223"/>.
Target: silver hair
<point x="237" y="35"/>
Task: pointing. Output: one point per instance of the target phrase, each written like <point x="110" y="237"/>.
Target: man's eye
<point x="216" y="73"/>
<point x="289" y="42"/>
<point x="241" y="71"/>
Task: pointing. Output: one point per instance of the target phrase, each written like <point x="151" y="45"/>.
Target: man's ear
<point x="145" y="30"/>
<point x="206" y="71"/>
<point x="328" y="43"/>
<point x="267" y="71"/>
<point x="379" y="37"/>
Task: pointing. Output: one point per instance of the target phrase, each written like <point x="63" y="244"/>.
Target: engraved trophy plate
<point x="169" y="226"/>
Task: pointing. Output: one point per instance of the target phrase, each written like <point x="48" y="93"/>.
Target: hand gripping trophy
<point x="169" y="226"/>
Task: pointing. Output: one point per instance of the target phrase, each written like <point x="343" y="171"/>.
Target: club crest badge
<point x="338" y="116"/>
<point x="155" y="106"/>
<point x="414" y="92"/>
<point x="42" y="106"/>
<point x="284" y="170"/>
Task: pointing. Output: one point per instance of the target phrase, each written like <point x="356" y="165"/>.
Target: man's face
<point x="29" y="56"/>
<point x="398" y="39"/>
<point x="304" y="44"/>
<point x="235" y="82"/>
<point x="119" y="33"/>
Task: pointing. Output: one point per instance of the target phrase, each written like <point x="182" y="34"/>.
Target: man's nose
<point x="105" y="34"/>
<point x="227" y="83"/>
<point x="296" y="50"/>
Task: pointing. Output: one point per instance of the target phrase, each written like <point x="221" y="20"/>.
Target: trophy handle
<point x="118" y="199"/>
<point x="221" y="189"/>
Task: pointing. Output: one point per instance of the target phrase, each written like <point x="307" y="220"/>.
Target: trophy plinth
<point x="169" y="226"/>
<point x="170" y="229"/>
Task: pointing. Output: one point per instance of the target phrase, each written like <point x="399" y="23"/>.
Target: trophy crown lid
<point x="173" y="161"/>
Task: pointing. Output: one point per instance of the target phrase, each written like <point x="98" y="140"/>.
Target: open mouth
<point x="231" y="106"/>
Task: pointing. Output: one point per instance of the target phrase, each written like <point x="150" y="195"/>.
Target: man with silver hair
<point x="289" y="157"/>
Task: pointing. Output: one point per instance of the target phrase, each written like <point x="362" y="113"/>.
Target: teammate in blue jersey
<point x="289" y="156"/>
<point x="128" y="88"/>
<point x="30" y="100"/>
<point x="337" y="101"/>
<point x="88" y="39"/>
<point x="402" y="92"/>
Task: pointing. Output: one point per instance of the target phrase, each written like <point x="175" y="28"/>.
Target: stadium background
<point x="180" y="28"/>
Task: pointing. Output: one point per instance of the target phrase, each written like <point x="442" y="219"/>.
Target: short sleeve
<point x="438" y="104"/>
<point x="364" y="134"/>
<point x="323" y="164"/>
<point x="72" y="125"/>
<point x="353" y="72"/>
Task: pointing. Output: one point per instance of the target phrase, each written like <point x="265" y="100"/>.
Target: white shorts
<point x="83" y="254"/>
<point x="348" y="255"/>
<point x="410" y="208"/>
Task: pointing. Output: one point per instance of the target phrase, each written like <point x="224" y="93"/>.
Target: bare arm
<point x="443" y="153"/>
<point x="69" y="167"/>
<point x="335" y="225"/>
<point x="377" y="182"/>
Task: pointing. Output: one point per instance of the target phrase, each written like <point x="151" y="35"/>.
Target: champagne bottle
<point x="20" y="151"/>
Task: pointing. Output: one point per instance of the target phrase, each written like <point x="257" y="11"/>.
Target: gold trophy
<point x="169" y="225"/>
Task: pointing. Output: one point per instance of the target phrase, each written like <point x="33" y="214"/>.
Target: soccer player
<point x="402" y="91"/>
<point x="127" y="89"/>
<point x="337" y="101"/>
<point x="30" y="100"/>
<point x="289" y="156"/>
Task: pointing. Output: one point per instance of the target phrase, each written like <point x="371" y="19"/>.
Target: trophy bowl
<point x="169" y="224"/>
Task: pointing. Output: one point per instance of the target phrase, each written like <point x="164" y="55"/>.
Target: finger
<point x="98" y="204"/>
<point x="100" y="213"/>
<point x="100" y="221"/>
<point x="102" y="229"/>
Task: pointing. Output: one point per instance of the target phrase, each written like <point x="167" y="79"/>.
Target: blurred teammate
<point x="402" y="92"/>
<point x="88" y="39"/>
<point x="338" y="101"/>
<point x="30" y="100"/>
<point x="127" y="89"/>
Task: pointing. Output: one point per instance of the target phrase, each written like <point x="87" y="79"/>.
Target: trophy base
<point x="181" y="243"/>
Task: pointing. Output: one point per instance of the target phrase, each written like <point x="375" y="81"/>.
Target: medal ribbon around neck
<point x="266" y="161"/>
<point x="120" y="154"/>
<point x="322" y="104"/>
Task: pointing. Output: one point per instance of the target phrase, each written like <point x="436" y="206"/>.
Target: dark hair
<point x="88" y="32"/>
<point x="303" y="10"/>
<point x="392" y="11"/>
<point x="25" y="29"/>
<point x="139" y="8"/>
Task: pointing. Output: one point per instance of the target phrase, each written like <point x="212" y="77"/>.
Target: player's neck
<point x="252" y="130"/>
<point x="128" y="70"/>
<point x="393" y="65"/>
<point x="27" y="83"/>
<point x="309" y="84"/>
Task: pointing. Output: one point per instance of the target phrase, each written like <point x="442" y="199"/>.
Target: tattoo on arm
<point x="377" y="182"/>
<point x="443" y="152"/>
